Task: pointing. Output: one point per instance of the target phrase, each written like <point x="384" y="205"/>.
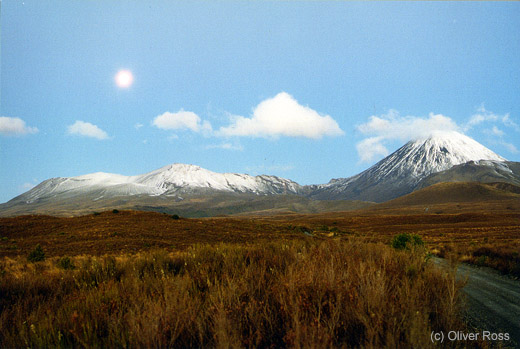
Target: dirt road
<point x="493" y="301"/>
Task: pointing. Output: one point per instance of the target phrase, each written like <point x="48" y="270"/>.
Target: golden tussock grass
<point x="282" y="294"/>
<point x="482" y="234"/>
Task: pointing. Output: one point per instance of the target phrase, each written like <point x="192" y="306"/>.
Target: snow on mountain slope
<point x="437" y="153"/>
<point x="181" y="177"/>
<point x="399" y="173"/>
<point x="168" y="180"/>
<point x="106" y="184"/>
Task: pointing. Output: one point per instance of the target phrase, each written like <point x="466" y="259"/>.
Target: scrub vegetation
<point x="316" y="293"/>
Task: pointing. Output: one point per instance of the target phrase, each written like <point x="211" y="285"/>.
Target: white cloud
<point x="226" y="146"/>
<point x="484" y="115"/>
<point x="182" y="120"/>
<point x="393" y="126"/>
<point x="14" y="126"/>
<point x="495" y="131"/>
<point x="87" y="129"/>
<point x="371" y="148"/>
<point x="138" y="126"/>
<point x="282" y="115"/>
<point x="481" y="116"/>
<point x="506" y="120"/>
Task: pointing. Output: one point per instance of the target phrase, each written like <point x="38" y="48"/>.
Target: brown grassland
<point x="294" y="293"/>
<point x="146" y="279"/>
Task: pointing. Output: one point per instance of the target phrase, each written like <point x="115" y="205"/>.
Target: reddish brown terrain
<point x="105" y="273"/>
<point x="468" y="228"/>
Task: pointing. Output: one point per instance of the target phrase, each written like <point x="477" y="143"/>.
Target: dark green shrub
<point x="482" y="260"/>
<point x="175" y="216"/>
<point x="37" y="254"/>
<point x="66" y="263"/>
<point x="115" y="211"/>
<point x="406" y="241"/>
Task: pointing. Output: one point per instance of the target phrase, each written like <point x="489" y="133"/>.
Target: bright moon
<point x="124" y="78"/>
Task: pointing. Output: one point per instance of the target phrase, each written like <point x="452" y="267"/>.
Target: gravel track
<point x="493" y="300"/>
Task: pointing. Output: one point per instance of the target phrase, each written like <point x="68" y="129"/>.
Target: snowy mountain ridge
<point x="168" y="180"/>
<point x="397" y="174"/>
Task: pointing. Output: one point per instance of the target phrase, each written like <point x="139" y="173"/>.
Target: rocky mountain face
<point x="483" y="171"/>
<point x="400" y="172"/>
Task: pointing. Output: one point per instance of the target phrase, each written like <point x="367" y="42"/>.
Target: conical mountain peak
<point x="439" y="152"/>
<point x="399" y="172"/>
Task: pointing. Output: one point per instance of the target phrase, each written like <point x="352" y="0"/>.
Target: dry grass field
<point x="128" y="231"/>
<point x="130" y="278"/>
<point x="263" y="294"/>
<point x="468" y="230"/>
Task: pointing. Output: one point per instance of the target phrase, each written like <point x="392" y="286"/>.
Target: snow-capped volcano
<point x="169" y="181"/>
<point x="190" y="188"/>
<point x="422" y="157"/>
<point x="401" y="171"/>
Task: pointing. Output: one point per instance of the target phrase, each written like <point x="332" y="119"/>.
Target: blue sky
<point x="301" y="90"/>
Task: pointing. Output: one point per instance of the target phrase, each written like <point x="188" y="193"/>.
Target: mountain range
<point x="192" y="190"/>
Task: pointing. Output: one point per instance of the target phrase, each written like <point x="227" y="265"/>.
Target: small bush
<point x="175" y="216"/>
<point x="406" y="241"/>
<point x="481" y="260"/>
<point x="115" y="211"/>
<point x="66" y="263"/>
<point x="37" y="254"/>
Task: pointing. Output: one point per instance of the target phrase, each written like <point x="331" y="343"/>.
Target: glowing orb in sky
<point x="124" y="78"/>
